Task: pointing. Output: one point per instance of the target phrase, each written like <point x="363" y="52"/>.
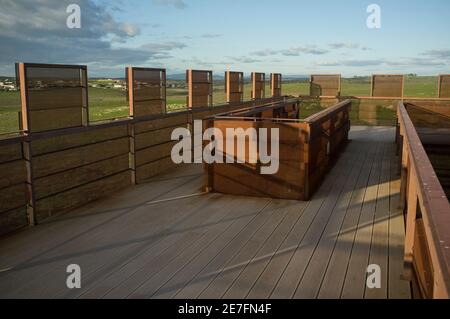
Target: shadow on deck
<point x="154" y="240"/>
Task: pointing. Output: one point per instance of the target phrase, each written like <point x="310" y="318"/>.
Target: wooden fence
<point x="61" y="161"/>
<point x="427" y="242"/>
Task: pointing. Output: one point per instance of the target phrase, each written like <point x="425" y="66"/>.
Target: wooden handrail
<point x="328" y="111"/>
<point x="26" y="137"/>
<point x="426" y="200"/>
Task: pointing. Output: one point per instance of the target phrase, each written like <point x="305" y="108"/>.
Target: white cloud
<point x="293" y="51"/>
<point x="37" y="32"/>
<point x="438" y="54"/>
<point x="211" y="35"/>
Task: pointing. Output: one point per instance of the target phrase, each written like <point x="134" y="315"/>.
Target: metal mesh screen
<point x="325" y="85"/>
<point x="444" y="86"/>
<point x="148" y="91"/>
<point x="258" y="85"/>
<point x="200" y="86"/>
<point x="234" y="86"/>
<point x="387" y="85"/>
<point x="275" y="84"/>
<point x="54" y="96"/>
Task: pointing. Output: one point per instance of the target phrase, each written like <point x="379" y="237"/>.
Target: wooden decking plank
<point x="151" y="257"/>
<point x="398" y="288"/>
<point x="118" y="265"/>
<point x="86" y="250"/>
<point x="170" y="244"/>
<point x="17" y="249"/>
<point x="244" y="282"/>
<point x="225" y="278"/>
<point x="148" y="279"/>
<point x="355" y="280"/>
<point x="268" y="279"/>
<point x="203" y="279"/>
<point x="224" y="246"/>
<point x="291" y="276"/>
<point x="311" y="280"/>
<point x="334" y="276"/>
<point x="379" y="249"/>
<point x="186" y="275"/>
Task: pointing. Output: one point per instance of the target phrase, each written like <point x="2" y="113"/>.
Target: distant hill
<point x="177" y="77"/>
<point x="295" y="77"/>
<point x="220" y="77"/>
<point x="182" y="76"/>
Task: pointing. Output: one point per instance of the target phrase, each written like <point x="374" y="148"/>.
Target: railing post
<point x="131" y="131"/>
<point x="404" y="175"/>
<point x="146" y="94"/>
<point x="208" y="168"/>
<point x="26" y="146"/>
<point x="411" y="216"/>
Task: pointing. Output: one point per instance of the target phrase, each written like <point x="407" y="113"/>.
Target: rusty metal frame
<point x="129" y="79"/>
<point x="440" y="78"/>
<point x="257" y="77"/>
<point x="229" y="83"/>
<point x="311" y="81"/>
<point x="192" y="94"/>
<point x="372" y="85"/>
<point x="275" y="84"/>
<point x="22" y="79"/>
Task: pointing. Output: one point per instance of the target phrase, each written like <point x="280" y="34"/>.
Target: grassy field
<point x="112" y="103"/>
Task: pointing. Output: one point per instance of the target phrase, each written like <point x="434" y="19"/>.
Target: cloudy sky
<point x="287" y="36"/>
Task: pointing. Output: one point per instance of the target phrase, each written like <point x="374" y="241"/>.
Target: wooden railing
<point x="306" y="151"/>
<point x="46" y="173"/>
<point x="427" y="241"/>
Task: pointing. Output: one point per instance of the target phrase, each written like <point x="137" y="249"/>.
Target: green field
<point x="111" y="103"/>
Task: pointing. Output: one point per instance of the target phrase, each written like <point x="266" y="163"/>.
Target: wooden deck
<point x="150" y="241"/>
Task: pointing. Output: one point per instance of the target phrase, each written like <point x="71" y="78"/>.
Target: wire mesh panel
<point x="200" y="86"/>
<point x="234" y="86"/>
<point x="325" y="85"/>
<point x="275" y="84"/>
<point x="384" y="85"/>
<point x="258" y="85"/>
<point x="444" y="86"/>
<point x="52" y="96"/>
<point x="146" y="91"/>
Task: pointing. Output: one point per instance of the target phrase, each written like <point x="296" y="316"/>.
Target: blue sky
<point x="287" y="36"/>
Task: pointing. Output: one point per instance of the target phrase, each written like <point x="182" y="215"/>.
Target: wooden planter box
<point x="306" y="150"/>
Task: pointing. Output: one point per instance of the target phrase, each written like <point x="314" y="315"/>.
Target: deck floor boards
<point x="149" y="241"/>
<point x="311" y="280"/>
